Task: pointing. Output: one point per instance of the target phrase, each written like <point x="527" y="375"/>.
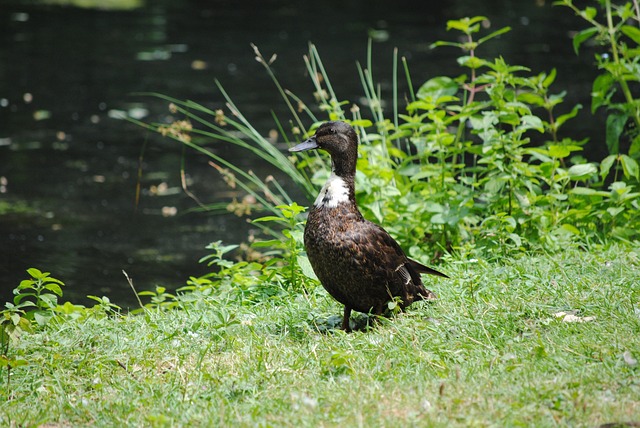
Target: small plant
<point x="234" y="280"/>
<point x="289" y="250"/>
<point x="490" y="168"/>
<point x="36" y="299"/>
<point x="104" y="306"/>
<point x="40" y="293"/>
<point x="282" y="269"/>
<point x="160" y="298"/>
<point x="13" y="323"/>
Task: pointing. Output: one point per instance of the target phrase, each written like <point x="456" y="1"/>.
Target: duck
<point x="357" y="261"/>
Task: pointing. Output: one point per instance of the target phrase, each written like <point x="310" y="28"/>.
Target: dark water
<point x="68" y="169"/>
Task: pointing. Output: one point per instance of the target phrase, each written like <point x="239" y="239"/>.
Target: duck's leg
<point x="378" y="312"/>
<point x="345" y="319"/>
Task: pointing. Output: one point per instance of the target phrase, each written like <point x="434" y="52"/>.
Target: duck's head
<point x="340" y="140"/>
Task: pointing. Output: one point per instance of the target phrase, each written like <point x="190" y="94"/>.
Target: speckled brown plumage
<point x="356" y="261"/>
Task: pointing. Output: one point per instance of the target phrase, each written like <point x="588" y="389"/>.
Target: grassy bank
<point x="494" y="350"/>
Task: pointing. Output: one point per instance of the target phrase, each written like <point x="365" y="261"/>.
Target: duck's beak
<point x="309" y="144"/>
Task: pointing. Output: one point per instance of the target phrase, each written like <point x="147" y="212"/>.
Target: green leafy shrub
<point x="491" y="168"/>
<point x="620" y="66"/>
<point x="476" y="163"/>
<point x="283" y="268"/>
<point x="35" y="306"/>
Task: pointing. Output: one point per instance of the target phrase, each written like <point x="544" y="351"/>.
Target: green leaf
<point x="52" y="286"/>
<point x="509" y="118"/>
<point x="409" y="170"/>
<point x="558" y="151"/>
<point x="42" y="317"/>
<point x="601" y="91"/>
<point x="268" y="218"/>
<point x="457" y="25"/>
<point x="516" y="239"/>
<point x="494" y="185"/>
<point x="614" y="211"/>
<point x="571" y="228"/>
<point x="589" y="13"/>
<point x="476" y="19"/>
<point x="364" y="123"/>
<point x="50" y="300"/>
<point x="615" y="126"/>
<point x="563" y="118"/>
<point x="268" y="243"/>
<point x="438" y="219"/>
<point x="630" y="167"/>
<point x="15" y="318"/>
<point x="25" y="283"/>
<point x="494" y="34"/>
<point x="36" y="273"/>
<point x="433" y="207"/>
<point x="24" y="324"/>
<point x="582" y="171"/>
<point x="582" y="37"/>
<point x="465" y="24"/>
<point x="586" y="191"/>
<point x="606" y="165"/>
<point x="531" y="98"/>
<point x="548" y="80"/>
<point x="305" y="266"/>
<point x="444" y="43"/>
<point x="558" y="196"/>
<point x="631" y="32"/>
<point x="531" y="122"/>
<point x="18" y="299"/>
<point x="471" y="61"/>
<point x="437" y="87"/>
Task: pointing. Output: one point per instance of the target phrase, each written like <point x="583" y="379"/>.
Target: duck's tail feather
<point x="420" y="268"/>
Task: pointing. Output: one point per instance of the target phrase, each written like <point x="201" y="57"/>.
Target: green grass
<point x="489" y="352"/>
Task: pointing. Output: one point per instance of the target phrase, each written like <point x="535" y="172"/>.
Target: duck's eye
<point x="333" y="130"/>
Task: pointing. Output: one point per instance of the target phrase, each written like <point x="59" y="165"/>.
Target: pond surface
<point x="69" y="168"/>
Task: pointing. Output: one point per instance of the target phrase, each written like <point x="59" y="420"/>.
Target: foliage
<point x="35" y="305"/>
<point x="282" y="270"/>
<point x="512" y="183"/>
<point x="290" y="249"/>
<point x="37" y="297"/>
<point x="620" y="67"/>
<point x="476" y="163"/>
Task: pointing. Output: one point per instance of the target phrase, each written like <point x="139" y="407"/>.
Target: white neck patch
<point x="334" y="192"/>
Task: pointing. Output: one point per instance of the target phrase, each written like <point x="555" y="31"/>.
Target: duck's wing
<point x="391" y="261"/>
<point x="392" y="249"/>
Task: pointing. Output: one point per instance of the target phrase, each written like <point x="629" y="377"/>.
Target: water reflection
<point x="69" y="165"/>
